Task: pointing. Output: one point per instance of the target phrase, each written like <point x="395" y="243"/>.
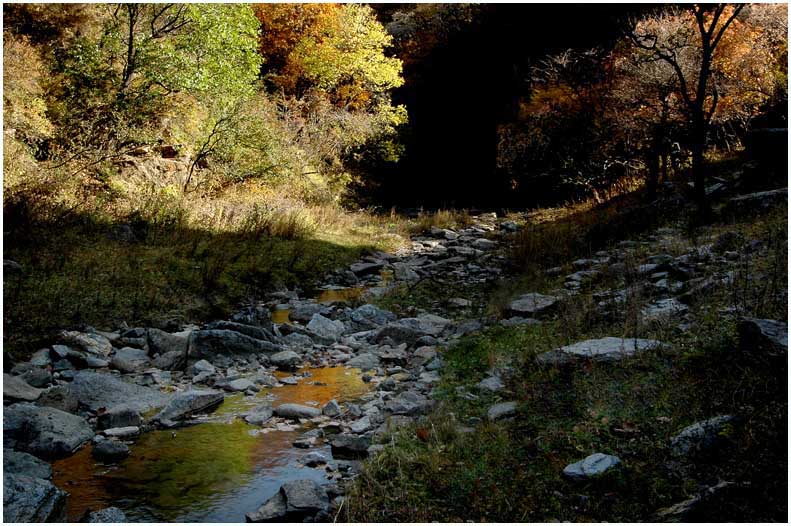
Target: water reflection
<point x="211" y="472"/>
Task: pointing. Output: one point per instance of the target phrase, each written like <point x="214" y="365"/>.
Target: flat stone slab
<point x="531" y="305"/>
<point x="45" y="431"/>
<point x="29" y="499"/>
<point x="607" y="349"/>
<point x="101" y="390"/>
<point x="663" y="310"/>
<point x="767" y="336"/>
<point x="16" y="389"/>
<point x="591" y="467"/>
<point x="296" y="411"/>
<point x="188" y="403"/>
<point x="701" y="436"/>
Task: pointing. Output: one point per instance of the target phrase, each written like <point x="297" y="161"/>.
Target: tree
<point x="694" y="67"/>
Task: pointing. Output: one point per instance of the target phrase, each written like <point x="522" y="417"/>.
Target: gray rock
<point x="91" y="343"/>
<point x="350" y="446"/>
<point x="492" y="384"/>
<point x="161" y="342"/>
<point x="29" y="499"/>
<point x="363" y="269"/>
<point x="273" y="510"/>
<point x="326" y="330"/>
<point x="304" y="312"/>
<point x="305" y="497"/>
<point x="241" y="384"/>
<point x="110" y="451"/>
<point x="44" y="431"/>
<point x="331" y="408"/>
<point x="296" y="411"/>
<point x="313" y="459"/>
<point x="607" y="349"/>
<point x="531" y="305"/>
<point x="484" y="244"/>
<point x="409" y="330"/>
<point x="107" y="515"/>
<point x="37" y="377"/>
<point x="259" y="415"/>
<point x="286" y="360"/>
<point x="129" y="360"/>
<point x="701" y="436"/>
<point x="41" y="358"/>
<point x="188" y="403"/>
<point x="259" y="333"/>
<point x="201" y="366"/>
<point x="16" y="389"/>
<point x="689" y="510"/>
<point x="118" y="416"/>
<point x="209" y="344"/>
<point x="663" y="309"/>
<point x="364" y="362"/>
<point x="769" y="337"/>
<point x="170" y="361"/>
<point x="752" y="203"/>
<point x="122" y="433"/>
<point x="371" y="317"/>
<point x="11" y="267"/>
<point x="591" y="467"/>
<point x="501" y="410"/>
<point x="99" y="390"/>
<point x="19" y="463"/>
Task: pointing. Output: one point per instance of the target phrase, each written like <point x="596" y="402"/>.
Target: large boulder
<point x="44" y="431"/>
<point x="607" y="349"/>
<point x="325" y="330"/>
<point x="129" y="360"/>
<point x="188" y="403"/>
<point x="257" y="332"/>
<point x="118" y="416"/>
<point x="364" y="362"/>
<point x="19" y="463"/>
<point x="767" y="337"/>
<point x="29" y="499"/>
<point x="285" y="360"/>
<point x="90" y="342"/>
<point x="15" y="389"/>
<point x="161" y="342"/>
<point x="208" y="344"/>
<point x="410" y="330"/>
<point x="294" y="502"/>
<point x="702" y="437"/>
<point x="95" y="391"/>
<point x="110" y="451"/>
<point x="350" y="446"/>
<point x="531" y="305"/>
<point x="296" y="411"/>
<point x="756" y="202"/>
<point x="371" y="317"/>
<point x="259" y="414"/>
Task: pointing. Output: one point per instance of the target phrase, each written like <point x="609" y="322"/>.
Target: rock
<point x="409" y="330"/>
<point x="285" y="360"/>
<point x="701" y="436"/>
<point x="693" y="509"/>
<point x="129" y="360"/>
<point x="364" y="269"/>
<point x="364" y="362"/>
<point x="492" y="384"/>
<point x="273" y="510"/>
<point x="209" y="344"/>
<point x="19" y="463"/>
<point x="161" y="342"/>
<point x="752" y="203"/>
<point x="361" y="426"/>
<point x="295" y="502"/>
<point x="501" y="410"/>
<point x="110" y="451"/>
<point x="518" y="320"/>
<point x="188" y="403"/>
<point x="240" y="384"/>
<point x="607" y="349"/>
<point x="257" y="332"/>
<point x="484" y="244"/>
<point x="509" y="226"/>
<point x="37" y="377"/>
<point x="371" y="317"/>
<point x="304" y="312"/>
<point x="591" y="467"/>
<point x="16" y="389"/>
<point x="326" y="330"/>
<point x="118" y="416"/>
<point x="296" y="411"/>
<point x="313" y="459"/>
<point x="259" y="415"/>
<point x="11" y="267"/>
<point x="107" y="515"/>
<point x="29" y="499"/>
<point x="41" y="358"/>
<point x="350" y="446"/>
<point x="100" y="390"/>
<point x="201" y="366"/>
<point x="44" y="431"/>
<point x="663" y="310"/>
<point x="91" y="343"/>
<point x="331" y="408"/>
<point x="122" y="432"/>
<point x="531" y="305"/>
<point x="768" y="337"/>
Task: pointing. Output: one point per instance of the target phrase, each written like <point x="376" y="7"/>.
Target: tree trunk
<point x="698" y="147"/>
<point x="653" y="174"/>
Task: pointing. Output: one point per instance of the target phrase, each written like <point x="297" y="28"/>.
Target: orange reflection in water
<point x="200" y="472"/>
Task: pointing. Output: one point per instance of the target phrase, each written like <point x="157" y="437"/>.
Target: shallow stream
<point x="214" y="471"/>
